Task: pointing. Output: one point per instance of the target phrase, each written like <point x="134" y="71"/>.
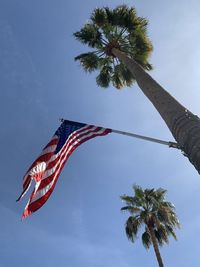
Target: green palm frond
<point x="105" y="61"/>
<point x="145" y="214"/>
<point x="99" y="17"/>
<point x="131" y="209"/>
<point x="133" y="201"/>
<point x="89" y="35"/>
<point x="150" y="209"/>
<point x="159" y="238"/>
<point x="160" y="194"/>
<point x="142" y="23"/>
<point x="170" y="231"/>
<point x="163" y="233"/>
<point x="103" y="79"/>
<point x="89" y="61"/>
<point x="163" y="214"/>
<point x="119" y="77"/>
<point x="111" y="18"/>
<point x="125" y="17"/>
<point x="117" y="80"/>
<point x="146" y="239"/>
<point x="127" y="199"/>
<point x="124" y="74"/>
<point x="132" y="226"/>
<point x="139" y="193"/>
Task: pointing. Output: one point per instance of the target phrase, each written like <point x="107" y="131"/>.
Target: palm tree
<point x="148" y="208"/>
<point x="121" y="50"/>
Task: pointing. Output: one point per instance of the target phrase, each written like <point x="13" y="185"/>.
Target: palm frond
<point x="125" y="74"/>
<point x="109" y="15"/>
<point x="127" y="199"/>
<point x="89" y="35"/>
<point x="162" y="232"/>
<point x="141" y="24"/>
<point x="168" y="205"/>
<point x="132" y="226"/>
<point x="146" y="239"/>
<point x="163" y="214"/>
<point x="117" y="79"/>
<point x="105" y="61"/>
<point x="104" y="77"/>
<point x="159" y="238"/>
<point x="173" y="220"/>
<point x="160" y="194"/>
<point x="131" y="209"/>
<point x="99" y="17"/>
<point x="138" y="191"/>
<point x="89" y="61"/>
<point x="170" y="231"/>
<point x="125" y="16"/>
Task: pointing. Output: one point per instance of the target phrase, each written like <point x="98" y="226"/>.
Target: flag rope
<point x="146" y="138"/>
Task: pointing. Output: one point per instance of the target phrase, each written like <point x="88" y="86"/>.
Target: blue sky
<point x="81" y="224"/>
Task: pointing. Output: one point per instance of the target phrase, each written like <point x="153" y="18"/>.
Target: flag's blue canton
<point x="63" y="132"/>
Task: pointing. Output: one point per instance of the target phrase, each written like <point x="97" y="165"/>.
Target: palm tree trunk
<point x="155" y="246"/>
<point x="184" y="126"/>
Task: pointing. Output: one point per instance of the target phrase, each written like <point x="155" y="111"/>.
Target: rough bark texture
<point x="155" y="246"/>
<point x="184" y="125"/>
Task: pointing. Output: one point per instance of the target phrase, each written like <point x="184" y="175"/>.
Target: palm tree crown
<point x="149" y="208"/>
<point x="117" y="28"/>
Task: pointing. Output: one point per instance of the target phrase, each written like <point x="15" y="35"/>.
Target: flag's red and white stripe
<point x="46" y="168"/>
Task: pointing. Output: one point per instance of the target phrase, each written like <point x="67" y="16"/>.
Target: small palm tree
<point x="149" y="209"/>
<point x="120" y="52"/>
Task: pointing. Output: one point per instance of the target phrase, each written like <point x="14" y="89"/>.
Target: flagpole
<point x="146" y="138"/>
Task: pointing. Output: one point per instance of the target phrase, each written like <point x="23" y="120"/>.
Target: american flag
<point x="46" y="169"/>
